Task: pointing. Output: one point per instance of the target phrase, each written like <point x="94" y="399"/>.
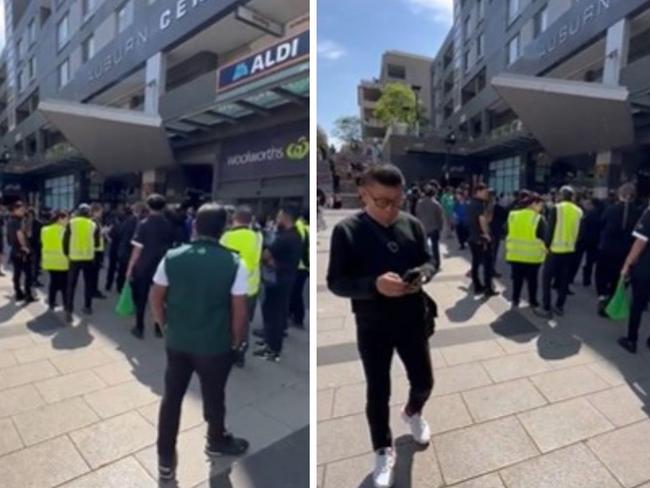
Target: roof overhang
<point x="569" y="117"/>
<point x="113" y="140"/>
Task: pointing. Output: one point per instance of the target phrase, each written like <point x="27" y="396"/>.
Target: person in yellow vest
<point x="53" y="259"/>
<point x="297" y="304"/>
<point x="561" y="238"/>
<point x="525" y="247"/>
<point x="80" y="239"/>
<point x="96" y="213"/>
<point x="242" y="239"/>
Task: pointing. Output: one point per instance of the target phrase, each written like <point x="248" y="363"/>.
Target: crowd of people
<point x="201" y="273"/>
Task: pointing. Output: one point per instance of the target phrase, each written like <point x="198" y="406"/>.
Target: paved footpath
<point x="79" y="407"/>
<point x="519" y="402"/>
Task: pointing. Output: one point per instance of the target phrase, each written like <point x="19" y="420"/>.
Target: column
<point x="155" y="83"/>
<point x="617" y="46"/>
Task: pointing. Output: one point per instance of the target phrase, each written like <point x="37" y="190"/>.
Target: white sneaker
<point x="419" y="428"/>
<point x="383" y="475"/>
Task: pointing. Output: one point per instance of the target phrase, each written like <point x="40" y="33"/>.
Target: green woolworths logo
<point x="298" y="150"/>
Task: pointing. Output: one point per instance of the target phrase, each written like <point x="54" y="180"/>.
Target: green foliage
<point x="348" y="129"/>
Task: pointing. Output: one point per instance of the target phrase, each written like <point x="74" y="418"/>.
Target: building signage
<point x="281" y="55"/>
<point x="280" y="151"/>
<point x="581" y="24"/>
<point x="255" y="19"/>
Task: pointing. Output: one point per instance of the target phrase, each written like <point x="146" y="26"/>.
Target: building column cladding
<point x="155" y="83"/>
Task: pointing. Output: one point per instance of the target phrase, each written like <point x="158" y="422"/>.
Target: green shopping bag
<point x="618" y="307"/>
<point x="125" y="306"/>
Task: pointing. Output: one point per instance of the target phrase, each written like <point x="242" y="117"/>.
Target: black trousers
<point x="377" y="339"/>
<point x="640" y="298"/>
<point x="275" y="312"/>
<point x="213" y="371"/>
<point x="482" y="256"/>
<point x="435" y="248"/>
<point x="297" y="303"/>
<point x="112" y="270"/>
<point x="556" y="272"/>
<point x="58" y="284"/>
<point x="462" y="233"/>
<point x="122" y="266"/>
<point x="590" y="253"/>
<point x="525" y="272"/>
<point x="98" y="263"/>
<point x="36" y="263"/>
<point x="87" y="268"/>
<point x="140" y="286"/>
<point x="22" y="277"/>
<point x="608" y="272"/>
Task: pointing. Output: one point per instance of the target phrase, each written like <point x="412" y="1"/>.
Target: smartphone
<point x="412" y="277"/>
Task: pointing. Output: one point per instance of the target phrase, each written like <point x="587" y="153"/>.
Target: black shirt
<point x="474" y="211"/>
<point x="618" y="224"/>
<point x="155" y="236"/>
<point x="126" y="232"/>
<point x="360" y="252"/>
<point x="642" y="231"/>
<point x="286" y="250"/>
<point x="13" y="226"/>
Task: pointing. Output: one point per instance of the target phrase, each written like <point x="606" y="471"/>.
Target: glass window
<point x="125" y="15"/>
<point x="63" y="31"/>
<point x="59" y="193"/>
<point x="480" y="8"/>
<point x="31" y="31"/>
<point x="540" y="22"/>
<point x="466" y="60"/>
<point x="513" y="9"/>
<point x="396" y="71"/>
<point x="467" y="25"/>
<point x="19" y="48"/>
<point x="513" y="50"/>
<point x="64" y="73"/>
<point x="480" y="45"/>
<point x="20" y="81"/>
<point x="88" y="48"/>
<point x="87" y="7"/>
<point x="32" y="68"/>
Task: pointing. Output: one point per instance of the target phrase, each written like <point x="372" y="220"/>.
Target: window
<point x="396" y="71"/>
<point x="32" y="68"/>
<point x="513" y="9"/>
<point x="63" y="32"/>
<point x="505" y="175"/>
<point x="467" y="26"/>
<point x="64" y="73"/>
<point x="480" y="9"/>
<point x="513" y="50"/>
<point x="466" y="60"/>
<point x="88" y="48"/>
<point x="59" y="193"/>
<point x="87" y="8"/>
<point x="480" y="46"/>
<point x="21" y="85"/>
<point x="124" y="16"/>
<point x="540" y="22"/>
<point x="31" y="32"/>
<point x="19" y="49"/>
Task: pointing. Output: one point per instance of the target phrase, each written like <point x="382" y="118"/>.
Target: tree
<point x="321" y="142"/>
<point x="398" y="103"/>
<point x="348" y="129"/>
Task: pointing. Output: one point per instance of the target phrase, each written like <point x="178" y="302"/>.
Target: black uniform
<point x="640" y="278"/>
<point x="482" y="249"/>
<point x="587" y="245"/>
<point x="21" y="259"/>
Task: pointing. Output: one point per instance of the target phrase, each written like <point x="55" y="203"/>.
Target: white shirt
<point x="239" y="286"/>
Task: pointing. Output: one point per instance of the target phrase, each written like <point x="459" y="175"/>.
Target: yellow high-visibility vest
<point x="522" y="243"/>
<point x="82" y="239"/>
<point x="567" y="227"/>
<point x="52" y="256"/>
<point x="248" y="244"/>
<point x="303" y="230"/>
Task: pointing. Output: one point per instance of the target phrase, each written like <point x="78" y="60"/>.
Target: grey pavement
<point x="79" y="407"/>
<point x="518" y="402"/>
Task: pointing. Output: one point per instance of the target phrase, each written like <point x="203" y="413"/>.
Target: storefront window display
<point x="59" y="193"/>
<point x="505" y="175"/>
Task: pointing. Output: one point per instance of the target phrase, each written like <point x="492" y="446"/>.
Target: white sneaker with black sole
<point x="384" y="474"/>
<point x="420" y="429"/>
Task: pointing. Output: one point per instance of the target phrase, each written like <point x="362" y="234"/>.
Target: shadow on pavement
<point x="465" y="308"/>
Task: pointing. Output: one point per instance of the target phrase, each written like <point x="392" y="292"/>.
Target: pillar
<point x="155" y="83"/>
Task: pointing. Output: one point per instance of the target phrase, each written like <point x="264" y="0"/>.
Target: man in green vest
<point x="199" y="297"/>
<point x="97" y="213"/>
<point x="80" y="239"/>
<point x="297" y="304"/>
<point x="53" y="259"/>
<point x="563" y="230"/>
<point x="242" y="239"/>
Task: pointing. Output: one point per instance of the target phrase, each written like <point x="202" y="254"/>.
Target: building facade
<point x="111" y="99"/>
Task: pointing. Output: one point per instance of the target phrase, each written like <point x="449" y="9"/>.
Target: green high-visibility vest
<point x="522" y="243"/>
<point x="248" y="244"/>
<point x="303" y="230"/>
<point x="52" y="255"/>
<point x="82" y="239"/>
<point x="567" y="227"/>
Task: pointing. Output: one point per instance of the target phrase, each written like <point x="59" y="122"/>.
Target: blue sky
<point x="352" y="35"/>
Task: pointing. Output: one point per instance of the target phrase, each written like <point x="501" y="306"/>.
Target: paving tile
<point x="121" y="398"/>
<point x="15" y="342"/>
<point x="26" y="373"/>
<point x="503" y="399"/>
<point x="288" y="406"/>
<point x="335" y="375"/>
<point x="626" y="370"/>
<point x="81" y="360"/>
<point x="52" y="420"/>
<point x="320" y="476"/>
<point x="69" y="385"/>
<point x="114" y="438"/>
<point x="324" y="403"/>
<point x="191" y="413"/>
<point x="9" y="438"/>
<point x="518" y="344"/>
<point x="353" y="429"/>
<point x="119" y="372"/>
<point x="482" y="448"/>
<point x="7" y="359"/>
<point x="124" y="473"/>
<point x="351" y="399"/>
<point x="626" y="452"/>
<point x="473" y="351"/>
<point x="19" y="399"/>
<point x="571" y="467"/>
<point x="623" y="405"/>
<point x="446" y="413"/>
<point x="568" y="383"/>
<point x="562" y="424"/>
<point x="488" y="481"/>
<point x="42" y="466"/>
<point x="38" y="352"/>
<point x="515" y="366"/>
<point x="459" y="378"/>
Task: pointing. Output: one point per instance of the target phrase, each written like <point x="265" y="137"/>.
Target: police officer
<point x="97" y="212"/>
<point x="525" y="248"/>
<point x="80" y="240"/>
<point x="53" y="259"/>
<point x="248" y="243"/>
<point x="297" y="304"/>
<point x="561" y="238"/>
<point x="21" y="253"/>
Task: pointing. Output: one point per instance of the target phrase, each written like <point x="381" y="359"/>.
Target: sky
<point x="353" y="34"/>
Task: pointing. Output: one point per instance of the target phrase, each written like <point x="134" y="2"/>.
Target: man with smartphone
<point x="379" y="259"/>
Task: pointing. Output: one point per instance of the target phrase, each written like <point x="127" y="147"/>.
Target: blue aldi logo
<point x="286" y="53"/>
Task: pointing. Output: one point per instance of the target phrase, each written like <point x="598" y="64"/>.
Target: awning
<point x="569" y="117"/>
<point x="113" y="140"/>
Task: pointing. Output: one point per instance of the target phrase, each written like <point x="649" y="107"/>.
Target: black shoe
<point x="298" y="325"/>
<point x="38" y="284"/>
<point x="490" y="293"/>
<point x="68" y="318"/>
<point x="2" y="274"/>
<point x="627" y="344"/>
<point x="108" y="289"/>
<point x="240" y="362"/>
<point x="534" y="305"/>
<point x="137" y="332"/>
<point x="268" y="354"/>
<point x="479" y="290"/>
<point x="498" y="275"/>
<point x="515" y="305"/>
<point x="570" y="292"/>
<point x="559" y="311"/>
<point x="88" y="310"/>
<point x="99" y="296"/>
<point x="544" y="313"/>
<point x="29" y="299"/>
<point x="227" y="446"/>
<point x="167" y="468"/>
<point x="20" y="296"/>
<point x="258" y="332"/>
<point x="158" y="331"/>
<point x="261" y="342"/>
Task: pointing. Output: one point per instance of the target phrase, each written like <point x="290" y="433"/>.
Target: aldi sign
<point x="281" y="55"/>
